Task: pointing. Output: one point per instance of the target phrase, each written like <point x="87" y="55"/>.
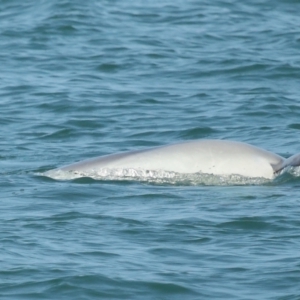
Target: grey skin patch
<point x="293" y="161"/>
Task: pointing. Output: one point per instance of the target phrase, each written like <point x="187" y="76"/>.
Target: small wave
<point x="157" y="177"/>
<point x="294" y="171"/>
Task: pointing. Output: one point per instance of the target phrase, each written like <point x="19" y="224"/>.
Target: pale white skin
<point x="216" y="157"/>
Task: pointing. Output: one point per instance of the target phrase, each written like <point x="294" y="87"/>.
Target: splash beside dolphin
<point x="217" y="157"/>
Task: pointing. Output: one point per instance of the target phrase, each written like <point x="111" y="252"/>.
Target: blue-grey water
<point x="86" y="78"/>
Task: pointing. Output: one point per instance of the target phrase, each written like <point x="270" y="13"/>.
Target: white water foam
<point x="157" y="176"/>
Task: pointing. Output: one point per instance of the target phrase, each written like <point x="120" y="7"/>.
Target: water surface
<point x="83" y="79"/>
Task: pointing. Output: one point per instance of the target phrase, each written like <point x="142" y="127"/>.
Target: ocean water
<point x="86" y="78"/>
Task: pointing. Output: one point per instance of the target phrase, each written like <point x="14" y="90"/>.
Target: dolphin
<point x="217" y="157"/>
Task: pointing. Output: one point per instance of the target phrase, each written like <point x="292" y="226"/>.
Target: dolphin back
<point x="216" y="157"/>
